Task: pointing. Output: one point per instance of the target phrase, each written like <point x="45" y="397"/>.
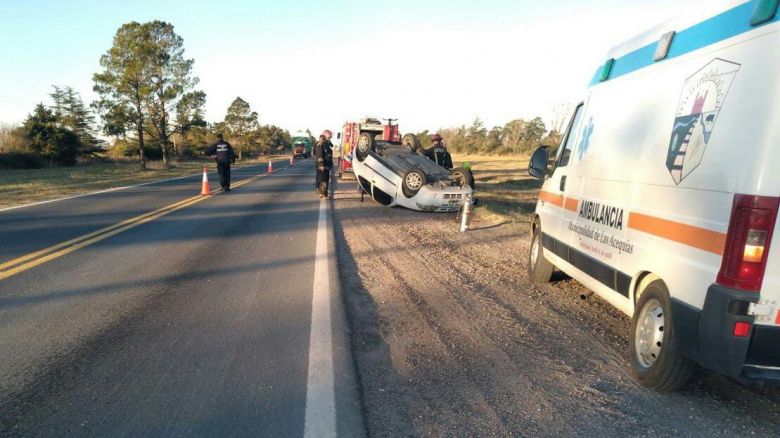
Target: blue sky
<point x="316" y="63"/>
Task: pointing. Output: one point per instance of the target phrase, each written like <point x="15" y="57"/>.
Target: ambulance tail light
<point x="747" y="243"/>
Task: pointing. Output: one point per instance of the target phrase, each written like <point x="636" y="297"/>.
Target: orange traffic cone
<point x="205" y="190"/>
<point x="292" y="160"/>
<point x="270" y="166"/>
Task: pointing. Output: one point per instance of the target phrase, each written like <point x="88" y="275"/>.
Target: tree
<point x="126" y="79"/>
<point x="117" y="117"/>
<point x="274" y="139"/>
<point x="239" y="122"/>
<point x="189" y="111"/>
<point x="424" y="138"/>
<point x="54" y="143"/>
<point x="535" y="129"/>
<point x="71" y="113"/>
<point x="171" y="78"/>
<point x="189" y="114"/>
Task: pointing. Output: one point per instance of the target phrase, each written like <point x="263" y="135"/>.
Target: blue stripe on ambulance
<point x="721" y="27"/>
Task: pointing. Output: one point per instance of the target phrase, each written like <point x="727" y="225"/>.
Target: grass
<point x="24" y="186"/>
<point x="505" y="190"/>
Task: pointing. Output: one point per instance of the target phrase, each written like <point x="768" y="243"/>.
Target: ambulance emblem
<point x="702" y="98"/>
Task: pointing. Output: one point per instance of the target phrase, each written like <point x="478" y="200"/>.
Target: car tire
<point x="464" y="176"/>
<point x="364" y="145"/>
<point x="412" y="182"/>
<point x="540" y="269"/>
<point x="411" y="141"/>
<point x="656" y="360"/>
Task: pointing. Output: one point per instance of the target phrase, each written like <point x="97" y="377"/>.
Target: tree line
<point x="148" y="104"/>
<point x="516" y="137"/>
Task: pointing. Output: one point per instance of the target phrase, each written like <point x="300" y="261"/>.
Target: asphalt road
<point x="192" y="321"/>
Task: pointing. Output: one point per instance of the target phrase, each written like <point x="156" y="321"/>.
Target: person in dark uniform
<point x="225" y="156"/>
<point x="438" y="153"/>
<point x="323" y="150"/>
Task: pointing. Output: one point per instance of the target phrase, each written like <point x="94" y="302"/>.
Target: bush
<point x="12" y="139"/>
<point x="126" y="149"/>
<point x="21" y="160"/>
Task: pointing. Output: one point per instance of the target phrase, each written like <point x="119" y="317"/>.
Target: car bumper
<point x="706" y="336"/>
<point x="440" y="201"/>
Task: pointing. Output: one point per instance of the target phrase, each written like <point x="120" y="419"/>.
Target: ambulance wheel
<point x="463" y="176"/>
<point x="656" y="360"/>
<point x="364" y="145"/>
<point x="540" y="269"/>
<point x="413" y="181"/>
<point x="410" y="141"/>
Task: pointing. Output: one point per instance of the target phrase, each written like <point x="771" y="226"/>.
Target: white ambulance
<point x="663" y="195"/>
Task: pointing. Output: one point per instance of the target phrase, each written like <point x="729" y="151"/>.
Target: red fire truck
<point x="351" y="133"/>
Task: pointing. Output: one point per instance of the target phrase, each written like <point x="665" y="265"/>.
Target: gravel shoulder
<point x="450" y="338"/>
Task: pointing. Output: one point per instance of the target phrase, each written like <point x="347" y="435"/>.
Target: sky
<point x="315" y="64"/>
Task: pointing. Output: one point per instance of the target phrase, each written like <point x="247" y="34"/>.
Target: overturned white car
<point x="397" y="174"/>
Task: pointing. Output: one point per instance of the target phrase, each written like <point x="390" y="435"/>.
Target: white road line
<point x="320" y="420"/>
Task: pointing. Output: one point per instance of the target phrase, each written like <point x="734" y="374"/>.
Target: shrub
<point x="21" y="160"/>
<point x="12" y="139"/>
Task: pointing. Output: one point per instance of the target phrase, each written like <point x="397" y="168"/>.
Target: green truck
<point x="302" y="146"/>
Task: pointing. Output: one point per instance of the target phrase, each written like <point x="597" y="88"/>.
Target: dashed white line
<point x="320" y="419"/>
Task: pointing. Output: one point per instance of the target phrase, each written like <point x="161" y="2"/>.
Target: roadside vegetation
<point x="23" y="186"/>
<point x="149" y="107"/>
<point x="505" y="191"/>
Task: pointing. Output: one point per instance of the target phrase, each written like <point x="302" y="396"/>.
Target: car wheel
<point x="463" y="176"/>
<point x="411" y="141"/>
<point x="364" y="145"/>
<point x="540" y="269"/>
<point x="413" y="181"/>
<point x="656" y="360"/>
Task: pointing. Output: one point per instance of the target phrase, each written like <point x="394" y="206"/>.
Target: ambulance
<point x="663" y="196"/>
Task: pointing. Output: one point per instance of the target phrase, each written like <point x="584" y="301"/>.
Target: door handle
<point x="563" y="183"/>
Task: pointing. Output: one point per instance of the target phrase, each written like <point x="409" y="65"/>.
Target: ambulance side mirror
<point x="537" y="167"/>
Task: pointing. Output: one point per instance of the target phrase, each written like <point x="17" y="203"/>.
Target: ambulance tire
<point x="540" y="269"/>
<point x="669" y="370"/>
<point x="364" y="145"/>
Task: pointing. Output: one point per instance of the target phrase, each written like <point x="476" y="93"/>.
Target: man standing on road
<point x="439" y="153"/>
<point x="323" y="150"/>
<point x="225" y="156"/>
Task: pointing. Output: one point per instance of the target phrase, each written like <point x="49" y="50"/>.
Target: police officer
<point x="323" y="150"/>
<point x="224" y="155"/>
<point x="439" y="153"/>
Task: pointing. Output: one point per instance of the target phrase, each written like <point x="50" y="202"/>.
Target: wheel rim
<point x="649" y="333"/>
<point x="363" y="145"/>
<point x="534" y="250"/>
<point x="414" y="181"/>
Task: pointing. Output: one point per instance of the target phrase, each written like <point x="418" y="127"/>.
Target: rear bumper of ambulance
<point x="707" y="336"/>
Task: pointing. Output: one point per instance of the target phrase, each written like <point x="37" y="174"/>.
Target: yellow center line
<point x="86" y="236"/>
<point x="15" y="266"/>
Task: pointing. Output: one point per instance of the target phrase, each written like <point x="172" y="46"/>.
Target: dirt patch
<point x="450" y="338"/>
